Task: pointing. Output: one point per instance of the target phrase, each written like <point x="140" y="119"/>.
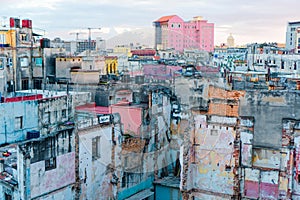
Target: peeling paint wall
<point x="214" y="159"/>
<point x="94" y="172"/>
<point x="46" y="166"/>
<point x="43" y="182"/>
<point x="269" y="142"/>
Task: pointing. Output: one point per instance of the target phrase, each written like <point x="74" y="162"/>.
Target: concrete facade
<point x="242" y="145"/>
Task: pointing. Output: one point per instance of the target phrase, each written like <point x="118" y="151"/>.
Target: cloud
<point x="248" y="21"/>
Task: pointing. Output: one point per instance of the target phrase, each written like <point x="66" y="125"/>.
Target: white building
<point x="292" y="37"/>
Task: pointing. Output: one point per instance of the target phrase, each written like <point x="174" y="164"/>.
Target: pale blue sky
<point x="249" y="21"/>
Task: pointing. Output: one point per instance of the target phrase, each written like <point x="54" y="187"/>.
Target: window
<point x="38" y="62"/>
<point x="7" y="196"/>
<point x="25" y="84"/>
<point x="50" y="164"/>
<point x="46" y="118"/>
<point x="18" y="123"/>
<point x="9" y="62"/>
<point x="282" y="64"/>
<point x="96" y="153"/>
<point x="1" y="63"/>
<point x="124" y="180"/>
<point x="37" y="84"/>
<point x="64" y="113"/>
<point x="295" y="65"/>
<point x="23" y="37"/>
<point x="24" y="62"/>
<point x="55" y="115"/>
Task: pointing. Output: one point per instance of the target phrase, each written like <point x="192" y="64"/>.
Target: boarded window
<point x="96" y="153"/>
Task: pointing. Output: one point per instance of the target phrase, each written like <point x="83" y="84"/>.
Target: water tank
<point x="11" y="22"/>
<point x="139" y="79"/>
<point x="14" y="23"/>
<point x="26" y="23"/>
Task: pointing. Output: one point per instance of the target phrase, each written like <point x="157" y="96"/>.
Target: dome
<point x="230" y="41"/>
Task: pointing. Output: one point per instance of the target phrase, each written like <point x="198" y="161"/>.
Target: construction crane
<point x="77" y="34"/>
<point x="90" y="35"/>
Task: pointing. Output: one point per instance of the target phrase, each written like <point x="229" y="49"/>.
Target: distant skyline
<point x="251" y="21"/>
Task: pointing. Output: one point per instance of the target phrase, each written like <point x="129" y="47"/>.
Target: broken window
<point x="50" y="164"/>
<point x="96" y="153"/>
<point x="18" y="123"/>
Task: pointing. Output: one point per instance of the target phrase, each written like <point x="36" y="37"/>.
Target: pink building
<point x="172" y="32"/>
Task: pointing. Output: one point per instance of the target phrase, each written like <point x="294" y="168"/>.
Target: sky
<point x="248" y="21"/>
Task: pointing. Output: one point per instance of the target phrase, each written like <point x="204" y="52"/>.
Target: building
<point x="172" y="32"/>
<point x="21" y="64"/>
<point x="96" y="138"/>
<point x="238" y="143"/>
<point x="122" y="146"/>
<point x="270" y="58"/>
<point x="111" y="65"/>
<point x="39" y="145"/>
<point x="292" y="36"/>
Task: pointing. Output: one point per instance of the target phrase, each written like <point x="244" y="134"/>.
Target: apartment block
<point x="173" y="32"/>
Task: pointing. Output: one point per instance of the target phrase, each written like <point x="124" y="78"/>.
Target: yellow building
<point x="8" y="38"/>
<point x="111" y="64"/>
<point x="122" y="49"/>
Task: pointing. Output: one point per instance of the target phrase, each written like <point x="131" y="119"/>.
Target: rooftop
<point x="165" y="18"/>
<point x="92" y="108"/>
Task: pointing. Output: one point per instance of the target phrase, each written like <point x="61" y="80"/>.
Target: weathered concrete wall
<point x="94" y="173"/>
<point x="53" y="112"/>
<point x="213" y="157"/>
<point x="269" y="108"/>
<point x="85" y="77"/>
<point x="269" y="143"/>
<point x="9" y="131"/>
